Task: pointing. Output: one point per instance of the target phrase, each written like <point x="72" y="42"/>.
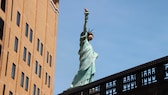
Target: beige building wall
<point x="28" y="31"/>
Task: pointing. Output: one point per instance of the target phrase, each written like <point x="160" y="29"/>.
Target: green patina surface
<point x="87" y="58"/>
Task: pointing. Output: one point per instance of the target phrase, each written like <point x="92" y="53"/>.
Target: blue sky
<point x="127" y="33"/>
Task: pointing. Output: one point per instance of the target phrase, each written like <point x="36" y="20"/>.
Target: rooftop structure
<point x="150" y="78"/>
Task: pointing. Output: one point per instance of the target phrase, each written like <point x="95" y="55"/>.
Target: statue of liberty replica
<point x="87" y="57"/>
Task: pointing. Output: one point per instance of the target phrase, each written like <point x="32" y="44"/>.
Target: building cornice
<point x="55" y="9"/>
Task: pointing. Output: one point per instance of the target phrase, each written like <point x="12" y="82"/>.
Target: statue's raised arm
<point x="84" y="32"/>
<point x="86" y="12"/>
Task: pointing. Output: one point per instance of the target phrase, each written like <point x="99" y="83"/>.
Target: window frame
<point x="36" y="67"/>
<point x="22" y="80"/>
<point x="29" y="59"/>
<point x="31" y="35"/>
<point x="50" y="60"/>
<point x="27" y="83"/>
<point x="34" y="89"/>
<point x="3" y="5"/>
<point x="1" y="28"/>
<point x="38" y="91"/>
<point x="24" y="53"/>
<point x="18" y="18"/>
<point x="26" y="29"/>
<point x="39" y="71"/>
<point x="13" y="71"/>
<point x="16" y="44"/>
<point x="41" y="49"/>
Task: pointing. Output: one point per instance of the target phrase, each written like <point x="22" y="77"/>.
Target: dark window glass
<point x="6" y="67"/>
<point x="27" y="84"/>
<point x="13" y="71"/>
<point x="11" y="10"/>
<point x="10" y="93"/>
<point x="34" y="90"/>
<point x="47" y="56"/>
<point x="18" y="19"/>
<point x="36" y="67"/>
<point x="22" y="80"/>
<point x="41" y="50"/>
<point x="29" y="58"/>
<point x="0" y="50"/>
<point x="4" y="87"/>
<point x="46" y="78"/>
<point x="1" y="28"/>
<point x="55" y="1"/>
<point x="24" y="54"/>
<point x="3" y="3"/>
<point x="38" y="91"/>
<point x="40" y="71"/>
<point x="16" y="44"/>
<point x="26" y="30"/>
<point x="31" y="35"/>
<point x="48" y="81"/>
<point x="38" y="44"/>
<point x="50" y="60"/>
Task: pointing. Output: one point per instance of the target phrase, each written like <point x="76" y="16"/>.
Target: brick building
<point x="28" y="30"/>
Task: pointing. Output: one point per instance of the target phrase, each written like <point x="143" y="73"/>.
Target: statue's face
<point x="90" y="37"/>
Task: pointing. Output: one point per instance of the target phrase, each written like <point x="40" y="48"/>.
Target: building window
<point x="129" y="82"/>
<point x="26" y="30"/>
<point x="0" y="49"/>
<point x="13" y="71"/>
<point x="39" y="71"/>
<point x="18" y="19"/>
<point x="36" y="67"/>
<point x="38" y="91"/>
<point x="34" y="89"/>
<point x="47" y="57"/>
<point x="166" y="71"/>
<point x="41" y="49"/>
<point x="22" y="80"/>
<point x="31" y="35"/>
<point x="1" y="28"/>
<point x="55" y="1"/>
<point x="6" y="67"/>
<point x="27" y="84"/>
<point x="3" y="3"/>
<point x="16" y="44"/>
<point x="10" y="93"/>
<point x="111" y="88"/>
<point x="46" y="76"/>
<point x="38" y="44"/>
<point x="24" y="53"/>
<point x="29" y="58"/>
<point x="4" y="87"/>
<point x="148" y="76"/>
<point x="11" y="10"/>
<point x="94" y="90"/>
<point x="50" y="60"/>
<point x="49" y="81"/>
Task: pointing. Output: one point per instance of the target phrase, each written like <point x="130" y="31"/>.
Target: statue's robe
<point x="87" y="59"/>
